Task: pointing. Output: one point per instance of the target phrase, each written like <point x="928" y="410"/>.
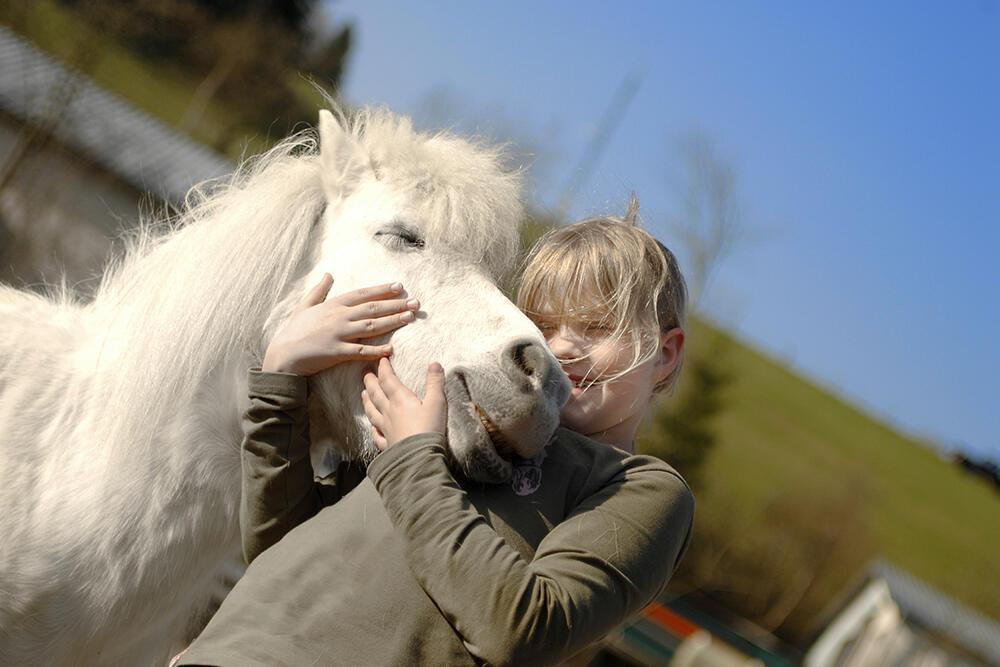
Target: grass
<point x="781" y="431"/>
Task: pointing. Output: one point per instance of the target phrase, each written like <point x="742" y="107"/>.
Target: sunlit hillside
<point x="782" y="435"/>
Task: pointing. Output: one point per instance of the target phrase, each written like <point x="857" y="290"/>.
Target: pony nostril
<point x="528" y="358"/>
<point x="529" y="365"/>
<point x="522" y="360"/>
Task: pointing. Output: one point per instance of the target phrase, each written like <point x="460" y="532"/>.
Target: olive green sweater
<point x="416" y="567"/>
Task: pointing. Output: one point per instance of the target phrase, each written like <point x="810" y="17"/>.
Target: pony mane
<point x="195" y="288"/>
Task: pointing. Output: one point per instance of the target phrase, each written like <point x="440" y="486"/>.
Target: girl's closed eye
<point x="598" y="328"/>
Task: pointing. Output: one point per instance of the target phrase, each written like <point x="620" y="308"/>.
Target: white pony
<point x="119" y="418"/>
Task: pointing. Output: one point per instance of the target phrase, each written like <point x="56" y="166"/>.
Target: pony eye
<point x="411" y="239"/>
<point x="399" y="238"/>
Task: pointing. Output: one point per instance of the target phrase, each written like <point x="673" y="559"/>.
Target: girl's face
<point x="596" y="409"/>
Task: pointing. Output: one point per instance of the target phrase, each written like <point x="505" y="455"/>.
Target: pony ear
<point x="341" y="158"/>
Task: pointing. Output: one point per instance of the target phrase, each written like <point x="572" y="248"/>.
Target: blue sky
<point x="865" y="138"/>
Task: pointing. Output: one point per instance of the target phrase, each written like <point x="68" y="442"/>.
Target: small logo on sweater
<point x="527" y="475"/>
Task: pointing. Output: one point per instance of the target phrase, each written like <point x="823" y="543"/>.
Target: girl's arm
<point x="610" y="556"/>
<point x="278" y="491"/>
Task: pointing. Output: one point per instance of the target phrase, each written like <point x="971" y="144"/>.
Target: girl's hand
<point x="395" y="412"/>
<point x="322" y="333"/>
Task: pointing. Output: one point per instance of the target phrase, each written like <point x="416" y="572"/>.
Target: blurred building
<point x="892" y="618"/>
<point x="77" y="164"/>
<point x="888" y="619"/>
<point x="687" y="633"/>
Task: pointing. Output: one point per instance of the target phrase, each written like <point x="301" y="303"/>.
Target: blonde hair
<point x="610" y="272"/>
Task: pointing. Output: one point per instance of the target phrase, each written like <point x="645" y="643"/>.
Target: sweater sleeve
<point x="278" y="491"/>
<point x="610" y="557"/>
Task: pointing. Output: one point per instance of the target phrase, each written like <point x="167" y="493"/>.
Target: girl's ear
<point x="671" y="347"/>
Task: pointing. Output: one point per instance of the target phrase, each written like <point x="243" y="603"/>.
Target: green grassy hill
<point x="782" y="432"/>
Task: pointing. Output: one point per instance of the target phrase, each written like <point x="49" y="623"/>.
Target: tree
<point x="247" y="55"/>
<point x="682" y="431"/>
<point x="709" y="223"/>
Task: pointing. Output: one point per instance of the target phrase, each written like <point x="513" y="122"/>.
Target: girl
<point x="418" y="566"/>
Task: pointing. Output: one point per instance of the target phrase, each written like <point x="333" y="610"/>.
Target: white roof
<point x="923" y="604"/>
<point x="103" y="127"/>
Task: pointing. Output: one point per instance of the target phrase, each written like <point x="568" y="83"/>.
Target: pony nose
<point x="531" y="367"/>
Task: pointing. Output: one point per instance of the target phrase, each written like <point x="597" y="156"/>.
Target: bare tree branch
<point x="709" y="224"/>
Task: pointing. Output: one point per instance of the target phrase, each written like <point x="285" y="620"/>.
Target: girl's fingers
<point x="359" y="352"/>
<point x="379" y="325"/>
<point x="366" y="294"/>
<point x="379" y="439"/>
<point x="435" y="402"/>
<point x="318" y="293"/>
<point x="389" y="382"/>
<point x="373" y="414"/>
<point x="377" y="308"/>
<point x="434" y="384"/>
<point x="375" y="393"/>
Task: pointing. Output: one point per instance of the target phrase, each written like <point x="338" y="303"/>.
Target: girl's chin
<point x="576" y="416"/>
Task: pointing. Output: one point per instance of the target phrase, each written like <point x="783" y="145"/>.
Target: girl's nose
<point x="563" y="344"/>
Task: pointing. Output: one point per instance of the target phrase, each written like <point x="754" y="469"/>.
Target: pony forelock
<point x="464" y="191"/>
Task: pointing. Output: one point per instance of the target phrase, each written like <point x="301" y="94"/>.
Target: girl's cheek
<point x="613" y="358"/>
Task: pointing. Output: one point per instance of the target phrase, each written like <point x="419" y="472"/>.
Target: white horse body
<point x="119" y="419"/>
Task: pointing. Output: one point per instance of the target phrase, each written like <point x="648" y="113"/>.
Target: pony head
<point x="441" y="215"/>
